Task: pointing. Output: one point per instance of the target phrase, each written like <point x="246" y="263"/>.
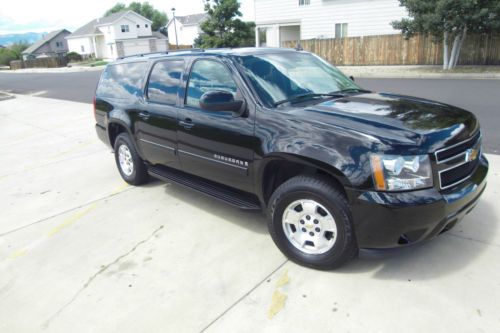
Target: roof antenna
<point x="298" y="47"/>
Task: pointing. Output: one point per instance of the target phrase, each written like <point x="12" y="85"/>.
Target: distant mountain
<point x="29" y="37"/>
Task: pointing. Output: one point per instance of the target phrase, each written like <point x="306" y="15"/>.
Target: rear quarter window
<point x="122" y="80"/>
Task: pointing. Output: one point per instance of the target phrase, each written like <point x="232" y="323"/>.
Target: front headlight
<point x="400" y="173"/>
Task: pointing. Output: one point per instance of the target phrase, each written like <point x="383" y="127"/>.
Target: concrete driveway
<point x="81" y="251"/>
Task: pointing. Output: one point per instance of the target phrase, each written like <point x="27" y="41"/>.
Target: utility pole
<point x="175" y="28"/>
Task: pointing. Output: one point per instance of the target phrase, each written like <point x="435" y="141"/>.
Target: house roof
<point x="45" y="39"/>
<point x="191" y="19"/>
<point x="90" y="27"/>
<point x="118" y="15"/>
<point x="87" y="29"/>
<point x="159" y="35"/>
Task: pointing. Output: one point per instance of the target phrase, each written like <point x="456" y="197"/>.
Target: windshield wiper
<point x="297" y="98"/>
<point x="348" y="90"/>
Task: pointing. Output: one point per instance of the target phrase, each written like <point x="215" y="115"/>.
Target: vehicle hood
<point x="396" y="118"/>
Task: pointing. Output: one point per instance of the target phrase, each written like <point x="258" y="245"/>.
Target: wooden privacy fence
<point x="396" y="50"/>
<point x="48" y="62"/>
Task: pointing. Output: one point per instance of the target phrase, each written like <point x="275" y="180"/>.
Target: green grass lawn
<point x="99" y="63"/>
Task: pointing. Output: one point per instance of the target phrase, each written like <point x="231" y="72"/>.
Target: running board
<point x="220" y="192"/>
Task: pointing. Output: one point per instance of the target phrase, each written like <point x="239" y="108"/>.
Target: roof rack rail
<point x="140" y="55"/>
<point x="163" y="52"/>
<point x="186" y="50"/>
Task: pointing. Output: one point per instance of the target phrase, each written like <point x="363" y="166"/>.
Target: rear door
<point x="156" y="129"/>
<point x="215" y="145"/>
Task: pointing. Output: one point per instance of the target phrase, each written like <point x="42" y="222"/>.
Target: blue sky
<point x="48" y="15"/>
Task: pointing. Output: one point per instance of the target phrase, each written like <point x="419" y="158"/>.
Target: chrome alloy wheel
<point x="125" y="158"/>
<point x="309" y="226"/>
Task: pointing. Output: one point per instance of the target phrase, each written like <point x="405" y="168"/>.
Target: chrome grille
<point x="456" y="163"/>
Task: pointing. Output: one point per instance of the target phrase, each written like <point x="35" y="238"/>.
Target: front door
<point x="212" y="144"/>
<point x="156" y="130"/>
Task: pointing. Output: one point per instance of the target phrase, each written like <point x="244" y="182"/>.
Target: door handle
<point x="144" y="115"/>
<point x="186" y="123"/>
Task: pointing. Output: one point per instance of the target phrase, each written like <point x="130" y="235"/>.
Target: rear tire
<point x="131" y="167"/>
<point x="310" y="221"/>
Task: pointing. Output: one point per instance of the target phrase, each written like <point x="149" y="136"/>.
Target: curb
<point x="428" y="76"/>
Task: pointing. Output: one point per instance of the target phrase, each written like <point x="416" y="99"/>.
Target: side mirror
<point x="219" y="100"/>
<point x="352" y="78"/>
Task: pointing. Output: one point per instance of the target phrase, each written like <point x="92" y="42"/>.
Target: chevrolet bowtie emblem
<point x="471" y="154"/>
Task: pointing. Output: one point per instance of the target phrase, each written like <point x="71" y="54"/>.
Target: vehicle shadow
<point x="252" y="220"/>
<point x="448" y="253"/>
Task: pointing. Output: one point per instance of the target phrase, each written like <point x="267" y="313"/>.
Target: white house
<point x="278" y="21"/>
<point x="188" y="28"/>
<point x="120" y="34"/>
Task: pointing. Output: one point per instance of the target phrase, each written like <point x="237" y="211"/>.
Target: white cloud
<point x="47" y="15"/>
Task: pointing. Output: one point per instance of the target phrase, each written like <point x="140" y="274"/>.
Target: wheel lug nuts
<point x="317" y="229"/>
<point x="311" y="233"/>
<point x="308" y="217"/>
<point x="302" y="222"/>
<point x="304" y="230"/>
<point x="316" y="221"/>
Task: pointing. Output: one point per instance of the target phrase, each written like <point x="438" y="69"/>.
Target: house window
<point x="82" y="48"/>
<point x="340" y="30"/>
<point x="145" y="25"/>
<point x="304" y="2"/>
<point x="59" y="44"/>
<point x="125" y="28"/>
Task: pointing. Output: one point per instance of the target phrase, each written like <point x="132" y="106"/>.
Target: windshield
<point x="279" y="77"/>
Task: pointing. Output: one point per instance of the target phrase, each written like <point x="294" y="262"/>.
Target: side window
<point x="164" y="81"/>
<point x="208" y="75"/>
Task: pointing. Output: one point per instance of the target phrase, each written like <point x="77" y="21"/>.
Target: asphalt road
<point x="479" y="96"/>
<point x="72" y="86"/>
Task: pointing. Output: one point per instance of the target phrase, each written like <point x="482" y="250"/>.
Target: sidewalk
<point x="422" y="72"/>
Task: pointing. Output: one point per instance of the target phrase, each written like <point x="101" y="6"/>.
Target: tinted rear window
<point x="122" y="80"/>
<point x="164" y="81"/>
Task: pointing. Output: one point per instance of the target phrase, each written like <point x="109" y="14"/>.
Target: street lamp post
<point x="175" y="29"/>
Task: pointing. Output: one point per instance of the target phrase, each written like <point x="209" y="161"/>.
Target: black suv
<point x="336" y="167"/>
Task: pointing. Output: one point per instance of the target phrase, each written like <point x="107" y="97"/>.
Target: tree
<point x="18" y="48"/>
<point x="223" y="28"/>
<point x="449" y="21"/>
<point x="6" y="56"/>
<point x="142" y="8"/>
<point x="13" y="52"/>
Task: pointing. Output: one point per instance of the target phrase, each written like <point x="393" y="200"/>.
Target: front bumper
<point x="386" y="220"/>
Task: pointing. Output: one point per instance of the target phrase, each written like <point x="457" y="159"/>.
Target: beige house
<point x="120" y="34"/>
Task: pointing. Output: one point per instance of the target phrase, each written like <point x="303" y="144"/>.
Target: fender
<point x="340" y="152"/>
<point x="120" y="117"/>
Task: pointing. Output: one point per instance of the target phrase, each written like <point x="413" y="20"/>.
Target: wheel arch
<point x="276" y="168"/>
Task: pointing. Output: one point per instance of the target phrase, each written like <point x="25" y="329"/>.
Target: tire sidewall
<point x="124" y="140"/>
<point x="341" y="218"/>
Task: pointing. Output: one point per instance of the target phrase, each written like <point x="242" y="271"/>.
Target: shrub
<point x="6" y="56"/>
<point x="73" y="56"/>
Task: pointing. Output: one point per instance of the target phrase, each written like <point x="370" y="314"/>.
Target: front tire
<point x="310" y="222"/>
<point x="129" y="163"/>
